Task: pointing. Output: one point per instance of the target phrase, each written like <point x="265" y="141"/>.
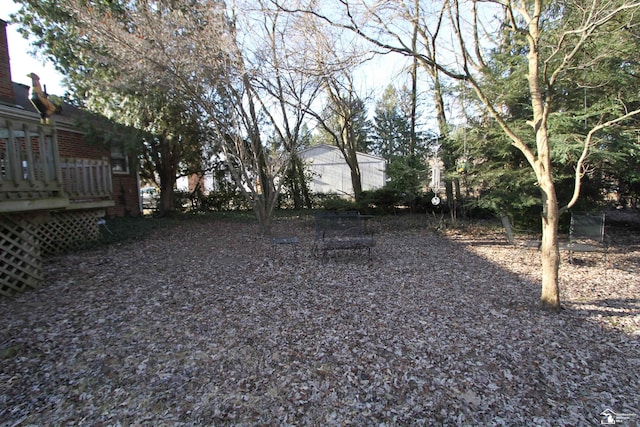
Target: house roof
<point x="327" y="147"/>
<point x="69" y="111"/>
<point x="23" y="108"/>
<point x="68" y="119"/>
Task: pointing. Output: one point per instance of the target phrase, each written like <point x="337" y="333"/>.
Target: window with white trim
<point x="119" y="160"/>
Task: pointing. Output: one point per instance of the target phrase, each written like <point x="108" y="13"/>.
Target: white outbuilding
<point x="331" y="174"/>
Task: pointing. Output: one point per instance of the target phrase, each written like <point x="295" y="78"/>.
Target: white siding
<point x="331" y="174"/>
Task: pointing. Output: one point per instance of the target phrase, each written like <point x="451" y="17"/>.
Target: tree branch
<point x="580" y="165"/>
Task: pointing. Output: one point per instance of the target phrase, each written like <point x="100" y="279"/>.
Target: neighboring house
<point x="212" y="181"/>
<point x="331" y="174"/>
<point x="54" y="186"/>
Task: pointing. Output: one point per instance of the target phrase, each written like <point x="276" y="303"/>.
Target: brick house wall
<point x="70" y="144"/>
<point x="6" y="86"/>
<point x="126" y="196"/>
<point x="125" y="192"/>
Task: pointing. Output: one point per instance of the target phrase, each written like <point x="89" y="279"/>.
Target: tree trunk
<point x="166" y="205"/>
<point x="263" y="218"/>
<point x="296" y="191"/>
<point x="414" y="80"/>
<point x="451" y="199"/>
<point x="549" y="250"/>
<point x="306" y="193"/>
<point x="356" y="181"/>
<point x="167" y="169"/>
<point x="354" y="167"/>
<point x="459" y="199"/>
<point x="299" y="189"/>
<point x="264" y="207"/>
<point x="350" y="154"/>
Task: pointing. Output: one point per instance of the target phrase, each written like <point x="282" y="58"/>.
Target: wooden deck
<point x="47" y="203"/>
<point x="33" y="177"/>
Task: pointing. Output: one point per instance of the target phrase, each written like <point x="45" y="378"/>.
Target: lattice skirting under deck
<point x="20" y="254"/>
<point x="69" y="230"/>
<point x="25" y="239"/>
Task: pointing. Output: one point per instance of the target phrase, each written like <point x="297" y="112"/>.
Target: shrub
<point x="337" y="203"/>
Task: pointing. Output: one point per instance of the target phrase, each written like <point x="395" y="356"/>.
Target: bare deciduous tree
<point x="340" y="111"/>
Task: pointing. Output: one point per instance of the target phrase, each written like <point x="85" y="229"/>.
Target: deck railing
<point x="86" y="178"/>
<point x="32" y="170"/>
<point x="29" y="162"/>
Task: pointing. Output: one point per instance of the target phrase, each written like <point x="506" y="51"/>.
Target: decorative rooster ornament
<point x="40" y="99"/>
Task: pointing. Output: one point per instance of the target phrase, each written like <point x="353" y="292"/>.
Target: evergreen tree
<point x="170" y="141"/>
<point x="391" y="139"/>
<point x="586" y="96"/>
<point x="391" y="128"/>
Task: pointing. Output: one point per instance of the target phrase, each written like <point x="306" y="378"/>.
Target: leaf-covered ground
<point x="211" y="324"/>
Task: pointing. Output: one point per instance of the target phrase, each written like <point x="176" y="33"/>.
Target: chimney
<point x="6" y="86"/>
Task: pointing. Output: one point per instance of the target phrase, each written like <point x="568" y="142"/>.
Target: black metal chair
<point x="587" y="234"/>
